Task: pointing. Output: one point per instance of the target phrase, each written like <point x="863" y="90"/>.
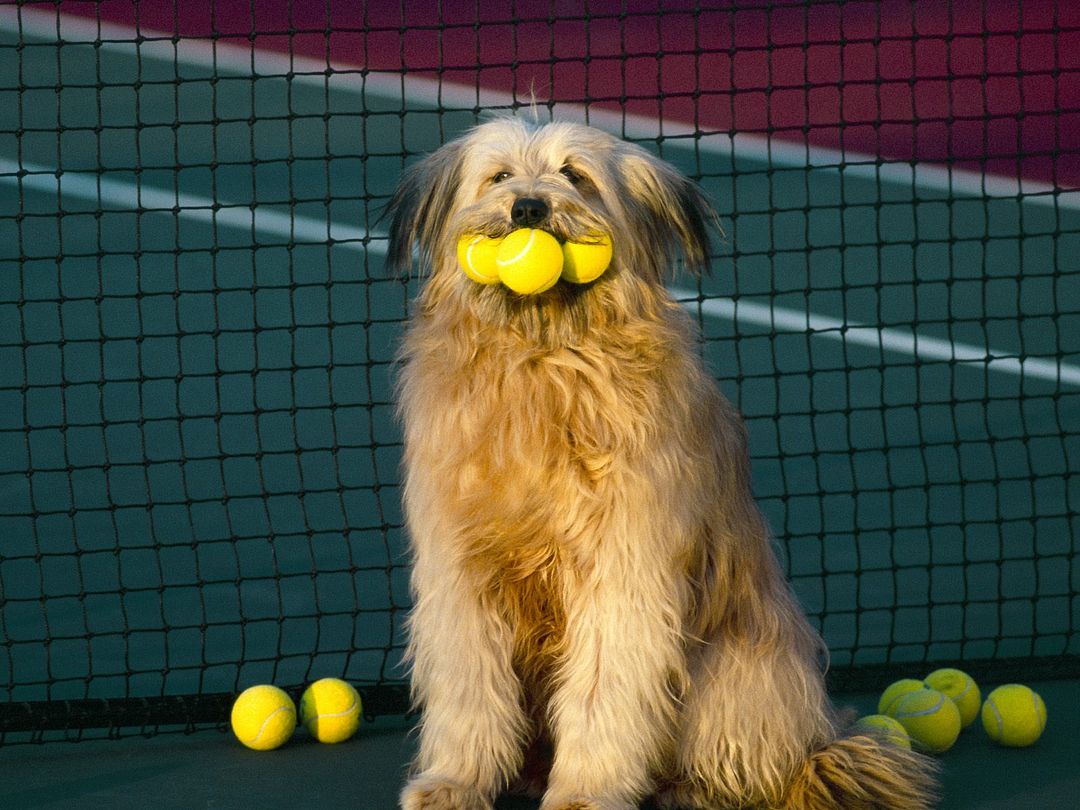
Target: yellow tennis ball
<point x="476" y="255"/>
<point x="895" y="691"/>
<point x="961" y="688"/>
<point x="930" y="718"/>
<point x="887" y="728"/>
<point x="586" y="261"/>
<point x="529" y="261"/>
<point x="1014" y="715"/>
<point x="263" y="717"/>
<point x="330" y="710"/>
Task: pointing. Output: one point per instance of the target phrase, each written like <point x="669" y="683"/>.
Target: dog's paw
<point x="435" y="793"/>
<point x="587" y="804"/>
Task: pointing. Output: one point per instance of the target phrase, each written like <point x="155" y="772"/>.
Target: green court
<point x="199" y="457"/>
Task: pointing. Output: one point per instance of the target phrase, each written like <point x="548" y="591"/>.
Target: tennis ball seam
<point x="923" y="712"/>
<point x="473" y="245"/>
<point x="266" y="722"/>
<point x="896" y="692"/>
<point x="469" y="251"/>
<point x="997" y="718"/>
<point x="351" y="708"/>
<point x="476" y="255"/>
<point x="521" y="253"/>
<point x="966" y="680"/>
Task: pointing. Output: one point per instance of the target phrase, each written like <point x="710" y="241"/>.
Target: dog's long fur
<point x="598" y="614"/>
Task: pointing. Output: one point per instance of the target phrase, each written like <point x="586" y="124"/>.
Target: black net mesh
<point x="198" y="456"/>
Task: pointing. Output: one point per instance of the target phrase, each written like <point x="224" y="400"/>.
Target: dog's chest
<point x="525" y="585"/>
<point x="532" y="456"/>
<point x="554" y="410"/>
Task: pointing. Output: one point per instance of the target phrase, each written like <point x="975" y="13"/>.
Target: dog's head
<point x="565" y="178"/>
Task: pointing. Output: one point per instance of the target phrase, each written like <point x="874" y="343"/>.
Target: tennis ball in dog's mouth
<point x="587" y="260"/>
<point x="476" y="255"/>
<point x="529" y="261"/>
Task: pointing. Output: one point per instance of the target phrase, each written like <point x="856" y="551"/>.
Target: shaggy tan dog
<point x="598" y="613"/>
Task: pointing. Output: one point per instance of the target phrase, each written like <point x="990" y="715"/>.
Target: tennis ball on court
<point x="263" y="717"/>
<point x="930" y="718"/>
<point x="476" y="255"/>
<point x="884" y="727"/>
<point x="330" y="710"/>
<point x="1013" y="715"/>
<point x="586" y="261"/>
<point x="895" y="691"/>
<point x="961" y="688"/>
<point x="529" y="261"/>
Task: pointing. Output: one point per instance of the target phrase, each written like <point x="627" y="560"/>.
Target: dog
<point x="598" y="614"/>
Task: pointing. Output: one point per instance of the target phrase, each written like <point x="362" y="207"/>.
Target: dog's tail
<point x="861" y="772"/>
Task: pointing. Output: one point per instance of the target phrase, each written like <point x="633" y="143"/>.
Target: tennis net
<point x="198" y="455"/>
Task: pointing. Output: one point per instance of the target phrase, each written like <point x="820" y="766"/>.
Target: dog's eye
<point x="498" y="178"/>
<point x="571" y="174"/>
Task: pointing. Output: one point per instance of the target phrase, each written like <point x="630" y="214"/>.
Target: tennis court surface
<point x="198" y="454"/>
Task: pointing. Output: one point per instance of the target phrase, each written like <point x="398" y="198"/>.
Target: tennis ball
<point x="884" y="727"/>
<point x="961" y="688"/>
<point x="586" y="261"/>
<point x="930" y="718"/>
<point x="529" y="261"/>
<point x="263" y="717"/>
<point x="1013" y="715"/>
<point x="330" y="710"/>
<point x="895" y="691"/>
<point x="476" y="255"/>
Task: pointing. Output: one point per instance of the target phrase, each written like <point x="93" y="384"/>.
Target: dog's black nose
<point x="528" y="211"/>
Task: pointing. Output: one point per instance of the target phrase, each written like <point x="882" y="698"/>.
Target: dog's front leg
<point x="473" y="725"/>
<point x="613" y="709"/>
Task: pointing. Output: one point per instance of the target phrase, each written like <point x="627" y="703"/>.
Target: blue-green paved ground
<point x="212" y="770"/>
<point x="198" y="458"/>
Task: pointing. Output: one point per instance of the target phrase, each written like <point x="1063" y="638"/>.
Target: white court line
<point x="892" y="339"/>
<point x="121" y="196"/>
<point x="247" y="62"/>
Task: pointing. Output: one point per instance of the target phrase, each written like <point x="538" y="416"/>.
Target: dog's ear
<point x="670" y="210"/>
<point x="421" y="207"/>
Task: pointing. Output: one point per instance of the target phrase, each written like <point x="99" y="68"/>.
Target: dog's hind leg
<point x="759" y="731"/>
<point x="753" y="713"/>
